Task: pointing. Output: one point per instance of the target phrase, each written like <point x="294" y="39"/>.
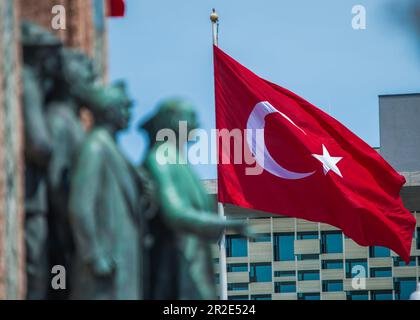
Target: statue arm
<point x="59" y="158"/>
<point x="37" y="145"/>
<point x="178" y="216"/>
<point x="85" y="189"/>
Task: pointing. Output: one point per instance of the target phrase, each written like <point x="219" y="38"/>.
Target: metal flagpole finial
<point x="214" y="17"/>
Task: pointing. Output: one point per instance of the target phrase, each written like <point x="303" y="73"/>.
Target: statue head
<point x="40" y="45"/>
<point x="111" y="105"/>
<point x="168" y="116"/>
<point x="77" y="74"/>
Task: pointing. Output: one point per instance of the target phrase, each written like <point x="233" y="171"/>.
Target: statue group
<point x="120" y="231"/>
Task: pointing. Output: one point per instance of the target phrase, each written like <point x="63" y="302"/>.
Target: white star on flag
<point x="328" y="162"/>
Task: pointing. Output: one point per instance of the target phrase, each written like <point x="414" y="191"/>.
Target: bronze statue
<point x="106" y="206"/>
<point x="67" y="97"/>
<point x="186" y="224"/>
<point x="40" y="57"/>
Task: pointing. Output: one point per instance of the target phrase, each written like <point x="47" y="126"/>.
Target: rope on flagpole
<point x="220" y="208"/>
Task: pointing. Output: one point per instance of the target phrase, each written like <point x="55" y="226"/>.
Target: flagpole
<point x="220" y="208"/>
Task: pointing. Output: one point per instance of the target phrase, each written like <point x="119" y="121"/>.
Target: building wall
<point x="400" y="131"/>
<point x="310" y="255"/>
<point x="11" y="156"/>
<point x="85" y="25"/>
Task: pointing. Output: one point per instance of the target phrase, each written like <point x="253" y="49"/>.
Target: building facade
<point x="293" y="258"/>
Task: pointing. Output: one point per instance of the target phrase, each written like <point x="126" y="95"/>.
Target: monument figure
<point x="106" y="207"/>
<point x="67" y="97"/>
<point x="186" y="225"/>
<point x="40" y="62"/>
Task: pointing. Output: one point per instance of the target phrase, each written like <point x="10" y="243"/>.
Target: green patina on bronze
<point x="40" y="56"/>
<point x="186" y="225"/>
<point x="72" y="82"/>
<point x="107" y="203"/>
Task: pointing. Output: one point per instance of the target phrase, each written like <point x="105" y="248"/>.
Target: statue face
<point x="50" y="60"/>
<point x="121" y="116"/>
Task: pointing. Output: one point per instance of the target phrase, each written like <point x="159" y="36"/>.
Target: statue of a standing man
<point x="75" y="77"/>
<point x="40" y="57"/>
<point x="186" y="225"/>
<point x="105" y="204"/>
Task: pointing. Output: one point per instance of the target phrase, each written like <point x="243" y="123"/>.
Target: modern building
<point x="293" y="258"/>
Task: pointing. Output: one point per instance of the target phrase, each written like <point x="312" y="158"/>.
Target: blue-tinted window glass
<point x="357" y="295"/>
<point x="237" y="286"/>
<point x="237" y="267"/>
<point x="356" y="267"/>
<point x="307" y="235"/>
<point x="332" y="285"/>
<point x="260" y="272"/>
<point x="399" y="262"/>
<point x="381" y="295"/>
<point x="418" y="238"/>
<point x="261" y="297"/>
<point x="284" y="287"/>
<point x="284" y="273"/>
<point x="262" y="237"/>
<point x="379" y="252"/>
<point x="284" y="247"/>
<point x="308" y="296"/>
<point x="239" y="297"/>
<point x="302" y="257"/>
<point x="332" y="264"/>
<point x="332" y="242"/>
<point x="305" y="275"/>
<point x="217" y="278"/>
<point x="380" y="272"/>
<point x="236" y="246"/>
<point x="404" y="288"/>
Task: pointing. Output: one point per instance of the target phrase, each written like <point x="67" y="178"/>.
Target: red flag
<point x="116" y="8"/>
<point x="312" y="167"/>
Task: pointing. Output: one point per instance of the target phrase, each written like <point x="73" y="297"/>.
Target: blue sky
<point x="163" y="49"/>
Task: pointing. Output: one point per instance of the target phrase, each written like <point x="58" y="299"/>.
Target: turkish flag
<point x="116" y="8"/>
<point x="311" y="166"/>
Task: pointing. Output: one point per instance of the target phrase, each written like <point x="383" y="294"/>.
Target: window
<point x="380" y="272"/>
<point x="284" y="273"/>
<point x="302" y="257"/>
<point x="237" y="267"/>
<point x="237" y="286"/>
<point x="307" y="235"/>
<point x="262" y="237"/>
<point x="418" y="238"/>
<point x="261" y="297"/>
<point x="305" y="275"/>
<point x="284" y="247"/>
<point x="308" y="296"/>
<point x="260" y="272"/>
<point x="284" y="287"/>
<point x="332" y="285"/>
<point x="236" y="246"/>
<point x="379" y="252"/>
<point x="331" y="242"/>
<point x="398" y="262"/>
<point x="404" y="287"/>
<point x="381" y="295"/>
<point x="216" y="260"/>
<point x="217" y="278"/>
<point x="356" y="267"/>
<point x="238" y="297"/>
<point x="332" y="264"/>
<point x="357" y="295"/>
